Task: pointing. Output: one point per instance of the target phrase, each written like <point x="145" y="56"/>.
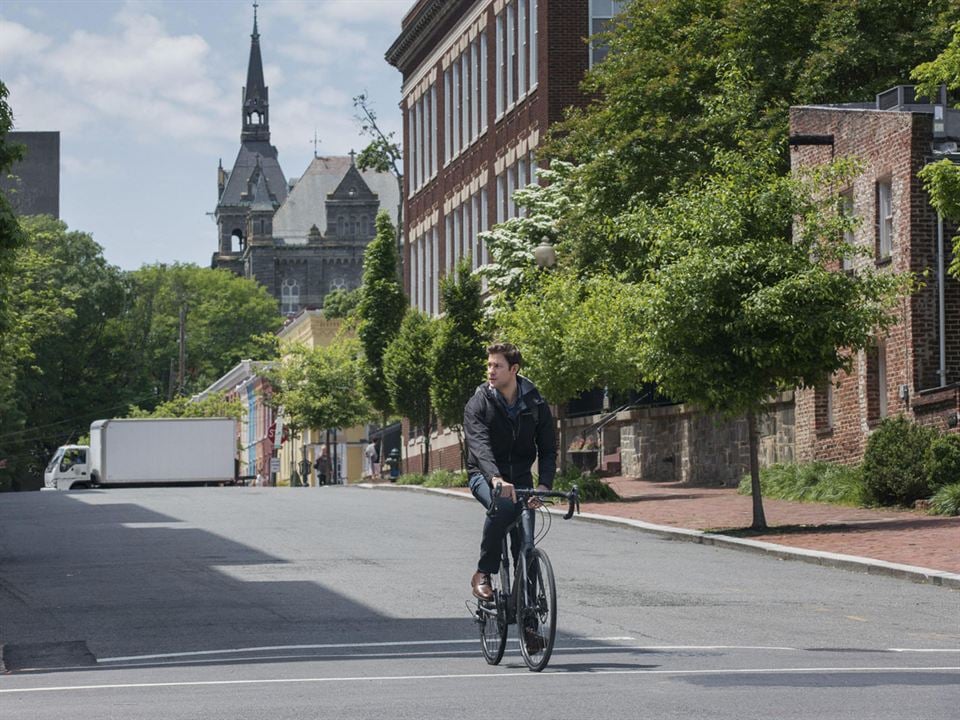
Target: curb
<point x="855" y="563"/>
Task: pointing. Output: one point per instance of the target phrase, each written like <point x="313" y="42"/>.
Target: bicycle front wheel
<point x="536" y="593"/>
<point x="492" y="618"/>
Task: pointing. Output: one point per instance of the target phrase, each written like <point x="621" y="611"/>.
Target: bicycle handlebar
<point x="572" y="498"/>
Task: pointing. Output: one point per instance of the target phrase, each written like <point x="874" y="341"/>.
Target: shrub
<point x="592" y="488"/>
<point x="942" y="462"/>
<point x="411" y="479"/>
<point x="947" y="500"/>
<point x="893" y="464"/>
<point x="446" y="478"/>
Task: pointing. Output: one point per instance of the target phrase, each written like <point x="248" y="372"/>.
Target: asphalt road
<point x="342" y="602"/>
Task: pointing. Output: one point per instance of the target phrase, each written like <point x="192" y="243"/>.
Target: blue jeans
<point x="494" y="528"/>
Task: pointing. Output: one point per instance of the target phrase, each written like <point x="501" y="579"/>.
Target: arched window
<point x="289" y="296"/>
<point x="255" y="118"/>
<point x="236" y="240"/>
<point x="338" y="283"/>
<point x="354" y="226"/>
<point x="341" y="226"/>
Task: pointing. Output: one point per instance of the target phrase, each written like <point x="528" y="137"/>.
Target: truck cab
<point x="68" y="467"/>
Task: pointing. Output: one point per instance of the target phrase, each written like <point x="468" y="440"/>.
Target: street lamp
<point x="544" y="254"/>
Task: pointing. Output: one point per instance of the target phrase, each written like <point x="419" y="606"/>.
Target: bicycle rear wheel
<point x="492" y="619"/>
<point x="536" y="593"/>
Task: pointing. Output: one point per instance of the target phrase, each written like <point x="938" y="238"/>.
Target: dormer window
<point x="352" y="192"/>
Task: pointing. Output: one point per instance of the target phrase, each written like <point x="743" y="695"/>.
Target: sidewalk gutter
<point x="784" y="552"/>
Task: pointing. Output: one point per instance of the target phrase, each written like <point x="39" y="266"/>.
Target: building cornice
<point x="416" y="32"/>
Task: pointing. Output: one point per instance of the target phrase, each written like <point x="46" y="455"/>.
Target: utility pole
<point x="181" y="373"/>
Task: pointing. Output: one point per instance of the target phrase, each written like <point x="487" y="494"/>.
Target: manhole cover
<point x="45" y="656"/>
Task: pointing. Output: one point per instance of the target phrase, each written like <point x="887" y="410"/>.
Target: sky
<point x="147" y="94"/>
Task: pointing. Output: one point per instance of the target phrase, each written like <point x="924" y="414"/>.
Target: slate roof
<point x="306" y="204"/>
<point x="243" y="168"/>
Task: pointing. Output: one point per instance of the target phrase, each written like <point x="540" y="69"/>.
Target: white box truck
<point x="149" y="451"/>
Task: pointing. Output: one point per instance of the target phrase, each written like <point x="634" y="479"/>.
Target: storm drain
<point x="18" y="657"/>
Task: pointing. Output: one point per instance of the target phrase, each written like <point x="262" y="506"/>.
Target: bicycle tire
<point x="492" y="618"/>
<point x="536" y="603"/>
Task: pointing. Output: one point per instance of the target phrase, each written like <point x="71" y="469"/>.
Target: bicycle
<point x="531" y="602"/>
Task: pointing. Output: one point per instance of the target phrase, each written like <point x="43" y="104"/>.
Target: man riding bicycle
<point x="507" y="425"/>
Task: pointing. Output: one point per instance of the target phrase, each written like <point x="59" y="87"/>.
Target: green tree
<point x="458" y="354"/>
<point x="406" y="369"/>
<point x="11" y="236"/>
<point x="576" y="334"/>
<point x="320" y="387"/>
<point x="211" y="406"/>
<point x="228" y="318"/>
<point x="942" y="178"/>
<point x="66" y="353"/>
<point x="341" y="304"/>
<point x="739" y="306"/>
<point x="662" y="107"/>
<point x="383" y="154"/>
<point x="381" y="310"/>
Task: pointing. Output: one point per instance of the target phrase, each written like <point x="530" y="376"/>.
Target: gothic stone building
<point x="300" y="239"/>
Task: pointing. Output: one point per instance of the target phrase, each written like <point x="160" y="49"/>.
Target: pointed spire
<point x="255" y="96"/>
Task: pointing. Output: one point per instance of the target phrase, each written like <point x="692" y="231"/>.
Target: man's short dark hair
<point x="509" y="351"/>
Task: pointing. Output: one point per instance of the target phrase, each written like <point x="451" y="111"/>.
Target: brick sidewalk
<point x="899" y="536"/>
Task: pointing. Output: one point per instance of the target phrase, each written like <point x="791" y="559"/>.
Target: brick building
<point x="482" y="82"/>
<point x="915" y="369"/>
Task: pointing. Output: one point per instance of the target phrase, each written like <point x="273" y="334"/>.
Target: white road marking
<point x="328" y="646"/>
<point x="472" y="676"/>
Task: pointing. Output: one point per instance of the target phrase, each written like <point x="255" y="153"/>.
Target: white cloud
<point x="19" y="41"/>
<point x="157" y="82"/>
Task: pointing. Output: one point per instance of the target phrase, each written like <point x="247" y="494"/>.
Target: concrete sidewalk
<point x="903" y="543"/>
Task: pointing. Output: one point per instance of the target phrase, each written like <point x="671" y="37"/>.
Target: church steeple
<point x="256" y="104"/>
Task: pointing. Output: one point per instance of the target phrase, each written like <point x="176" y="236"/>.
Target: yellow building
<point x="299" y="453"/>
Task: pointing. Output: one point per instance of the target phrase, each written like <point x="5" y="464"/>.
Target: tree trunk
<point x="759" y="521"/>
<point x="426" y="450"/>
<point x="562" y="438"/>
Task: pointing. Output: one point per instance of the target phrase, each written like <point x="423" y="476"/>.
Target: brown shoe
<point x="482" y="589"/>
<point x="533" y="642"/>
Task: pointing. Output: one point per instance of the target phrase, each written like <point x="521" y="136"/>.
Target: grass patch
<point x="446" y="479"/>
<point x="946" y="501"/>
<point x="810" y="482"/>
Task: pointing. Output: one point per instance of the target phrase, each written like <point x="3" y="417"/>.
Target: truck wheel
<point x="94" y="481"/>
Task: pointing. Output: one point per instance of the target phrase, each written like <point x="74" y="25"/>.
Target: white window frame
<point x="447" y="115"/>
<point x="885" y="218"/>
<point x="465" y="94"/>
<point x="501" y="104"/>
<point x="412" y="153"/>
<point x="616" y="6"/>
<point x="533" y="43"/>
<point x="434" y="164"/>
<point x="483" y="81"/>
<point x="435" y="275"/>
<point x="522" y="47"/>
<point x="511" y="11"/>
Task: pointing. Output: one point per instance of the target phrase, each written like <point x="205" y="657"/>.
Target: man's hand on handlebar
<point x="533" y="502"/>
<point x="506" y="489"/>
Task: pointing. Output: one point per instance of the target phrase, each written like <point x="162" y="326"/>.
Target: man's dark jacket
<point x="497" y="445"/>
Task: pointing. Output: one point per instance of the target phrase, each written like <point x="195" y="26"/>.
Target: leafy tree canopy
<point x="458" y="353"/>
<point x="228" y="319"/>
<point x="406" y="369"/>
<point x="320" y="387"/>
<point x="661" y="111"/>
<point x="381" y="309"/>
<point x="214" y="405"/>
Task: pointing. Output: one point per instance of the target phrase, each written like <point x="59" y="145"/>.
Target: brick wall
<point x="892" y="146"/>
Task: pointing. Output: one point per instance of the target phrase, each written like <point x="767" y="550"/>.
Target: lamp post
<point x="545" y="256"/>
